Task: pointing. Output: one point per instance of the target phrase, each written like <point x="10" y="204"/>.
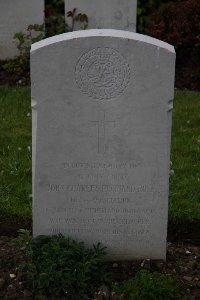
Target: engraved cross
<point x="101" y="132"/>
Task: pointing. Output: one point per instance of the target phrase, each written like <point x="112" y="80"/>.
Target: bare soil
<point x="13" y="79"/>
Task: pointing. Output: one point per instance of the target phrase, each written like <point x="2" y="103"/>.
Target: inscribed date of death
<point x="107" y="231"/>
<point x="100" y="165"/>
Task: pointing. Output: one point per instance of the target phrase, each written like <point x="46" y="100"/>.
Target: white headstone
<point x="106" y="14"/>
<point x="102" y="107"/>
<point x="16" y="16"/>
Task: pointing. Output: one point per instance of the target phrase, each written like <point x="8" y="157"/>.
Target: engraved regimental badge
<point x="102" y="73"/>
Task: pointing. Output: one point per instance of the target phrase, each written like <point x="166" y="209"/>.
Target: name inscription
<point x="93" y="188"/>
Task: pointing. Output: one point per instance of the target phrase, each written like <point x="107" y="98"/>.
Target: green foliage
<point x="23" y="241"/>
<point x="15" y="152"/>
<point x="149" y="286"/>
<point x="145" y="9"/>
<point x="54" y="17"/>
<point x="56" y="264"/>
<point x="55" y="22"/>
<point x="184" y="204"/>
<point x="21" y="63"/>
<point x="81" y="18"/>
<point x="58" y="4"/>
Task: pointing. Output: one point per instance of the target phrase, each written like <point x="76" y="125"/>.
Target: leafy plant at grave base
<point x="23" y="241"/>
<point x="149" y="286"/>
<point x="56" y="264"/>
<point x="21" y="64"/>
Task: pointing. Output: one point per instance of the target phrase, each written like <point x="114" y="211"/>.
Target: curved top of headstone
<point x="102" y="33"/>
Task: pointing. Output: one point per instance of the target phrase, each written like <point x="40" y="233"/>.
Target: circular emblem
<point x="102" y="73"/>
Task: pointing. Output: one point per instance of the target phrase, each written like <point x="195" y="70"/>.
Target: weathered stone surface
<point x="102" y="106"/>
<point x="106" y="14"/>
<point x="16" y="16"/>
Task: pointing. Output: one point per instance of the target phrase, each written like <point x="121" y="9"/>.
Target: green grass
<point x="184" y="202"/>
<point x="15" y="156"/>
<point x="151" y="286"/>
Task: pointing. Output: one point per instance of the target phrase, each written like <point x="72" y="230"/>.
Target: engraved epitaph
<point x="101" y="110"/>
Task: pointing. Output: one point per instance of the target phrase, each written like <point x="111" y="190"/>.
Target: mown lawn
<point x="15" y="152"/>
<point x="185" y="156"/>
<point x="15" y="155"/>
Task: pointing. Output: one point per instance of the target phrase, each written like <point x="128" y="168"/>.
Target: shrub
<point x="149" y="286"/>
<point x="178" y="24"/>
<point x="59" y="5"/>
<point x="55" y="22"/>
<point x="55" y="264"/>
<point x="54" y="17"/>
<point x="21" y="63"/>
<point x="144" y="10"/>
